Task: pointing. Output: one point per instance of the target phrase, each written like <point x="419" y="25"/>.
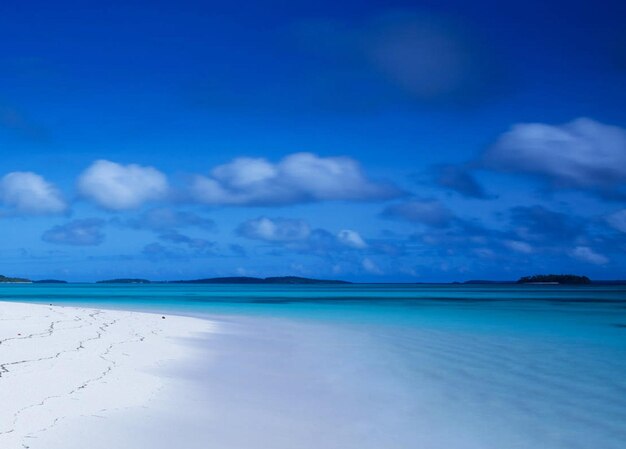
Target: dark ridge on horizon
<point x="570" y="279"/>
<point x="13" y="280"/>
<point x="556" y="279"/>
<point x="230" y="280"/>
<point x="267" y="280"/>
<point x="125" y="281"/>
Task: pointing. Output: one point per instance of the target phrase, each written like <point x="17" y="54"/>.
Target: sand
<point x="62" y="367"/>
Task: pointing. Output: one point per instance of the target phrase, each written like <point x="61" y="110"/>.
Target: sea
<point x="387" y="366"/>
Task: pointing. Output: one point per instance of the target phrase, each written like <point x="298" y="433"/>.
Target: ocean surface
<point x="390" y="366"/>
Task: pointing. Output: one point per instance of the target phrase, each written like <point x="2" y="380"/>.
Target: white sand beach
<point x="77" y="377"/>
<point x="66" y="368"/>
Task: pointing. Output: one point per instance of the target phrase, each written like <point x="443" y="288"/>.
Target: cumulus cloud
<point x="297" y="178"/>
<point x="275" y="230"/>
<point x="118" y="187"/>
<point x="580" y="154"/>
<point x="29" y="193"/>
<point x="587" y="254"/>
<point x="351" y="239"/>
<point x="87" y="232"/>
<point x="428" y="212"/>
<point x="297" y="235"/>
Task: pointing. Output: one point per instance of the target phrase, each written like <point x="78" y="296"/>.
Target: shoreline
<point x="65" y="365"/>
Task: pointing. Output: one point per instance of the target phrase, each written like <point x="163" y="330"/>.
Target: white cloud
<point x="351" y="239"/>
<point x="29" y="193"/>
<point x="275" y="230"/>
<point x="587" y="254"/>
<point x="117" y="187"/>
<point x="298" y="235"/>
<point x="617" y="220"/>
<point x="582" y="153"/>
<point x="297" y="178"/>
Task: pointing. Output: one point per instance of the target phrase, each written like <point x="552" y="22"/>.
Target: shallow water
<point x="373" y="366"/>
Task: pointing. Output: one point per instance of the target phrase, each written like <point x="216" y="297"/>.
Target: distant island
<point x="230" y="280"/>
<point x="124" y="281"/>
<point x="570" y="279"/>
<point x="556" y="279"/>
<point x="12" y="280"/>
<point x="268" y="280"/>
<point x="15" y="280"/>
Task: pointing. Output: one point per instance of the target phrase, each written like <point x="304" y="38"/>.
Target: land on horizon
<point x="545" y="279"/>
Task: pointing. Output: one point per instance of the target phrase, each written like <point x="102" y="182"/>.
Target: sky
<point x="370" y="141"/>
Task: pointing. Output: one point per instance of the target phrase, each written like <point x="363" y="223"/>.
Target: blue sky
<point x="380" y="141"/>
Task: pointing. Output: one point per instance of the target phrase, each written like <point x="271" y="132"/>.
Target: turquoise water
<point x="397" y="366"/>
<point x="594" y="313"/>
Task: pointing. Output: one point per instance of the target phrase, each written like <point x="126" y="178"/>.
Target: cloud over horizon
<point x="274" y="230"/>
<point x="164" y="227"/>
<point x="351" y="238"/>
<point x="583" y="154"/>
<point x="115" y="186"/>
<point x="297" y="178"/>
<point x="298" y="235"/>
<point x="30" y="193"/>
